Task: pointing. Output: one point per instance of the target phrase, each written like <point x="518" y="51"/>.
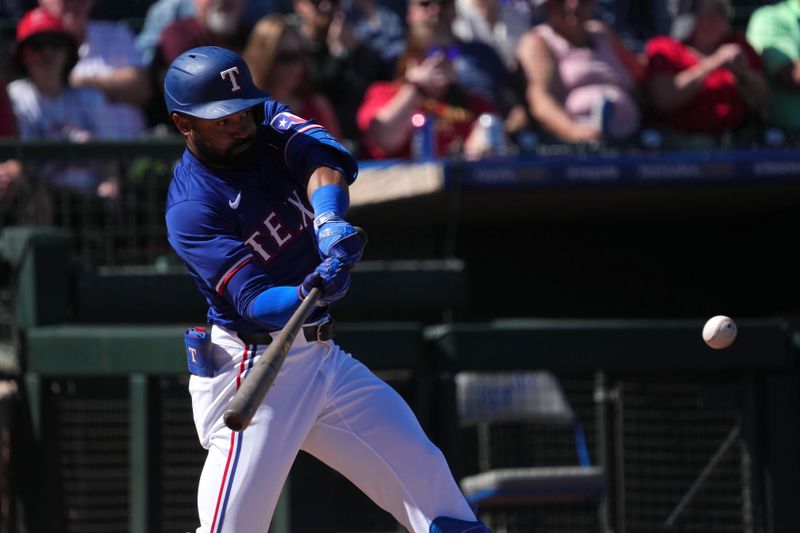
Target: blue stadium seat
<point x="535" y="398"/>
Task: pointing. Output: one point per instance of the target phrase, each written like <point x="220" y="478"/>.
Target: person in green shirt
<point x="774" y="31"/>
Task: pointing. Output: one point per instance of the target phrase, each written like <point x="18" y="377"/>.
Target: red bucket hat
<point x="38" y="21"/>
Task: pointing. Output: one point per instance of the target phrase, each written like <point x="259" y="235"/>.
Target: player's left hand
<point x="332" y="277"/>
<point x="338" y="238"/>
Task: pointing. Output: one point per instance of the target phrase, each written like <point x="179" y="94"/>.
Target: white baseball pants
<point x="330" y="405"/>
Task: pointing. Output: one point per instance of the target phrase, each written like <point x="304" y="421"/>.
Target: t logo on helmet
<point x="209" y="82"/>
<point x="231" y="74"/>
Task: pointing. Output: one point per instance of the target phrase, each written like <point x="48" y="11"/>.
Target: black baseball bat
<point x="255" y="387"/>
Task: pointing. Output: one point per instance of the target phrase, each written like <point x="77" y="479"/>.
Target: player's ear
<point x="183" y="123"/>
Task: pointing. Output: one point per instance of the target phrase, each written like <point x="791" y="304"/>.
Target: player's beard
<point x="238" y="153"/>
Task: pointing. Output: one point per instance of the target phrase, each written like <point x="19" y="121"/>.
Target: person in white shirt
<point x="46" y="107"/>
<point x="107" y="61"/>
<point x="498" y="23"/>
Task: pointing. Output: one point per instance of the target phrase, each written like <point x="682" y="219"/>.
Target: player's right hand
<point x="332" y="277"/>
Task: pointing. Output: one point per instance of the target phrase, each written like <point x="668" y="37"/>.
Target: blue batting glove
<point x="338" y="238"/>
<point x="332" y="277"/>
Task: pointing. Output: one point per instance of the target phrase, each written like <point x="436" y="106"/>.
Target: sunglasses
<point x="289" y="57"/>
<point x="40" y="42"/>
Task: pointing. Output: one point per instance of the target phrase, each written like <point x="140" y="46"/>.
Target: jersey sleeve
<point x="305" y="144"/>
<point x="208" y="244"/>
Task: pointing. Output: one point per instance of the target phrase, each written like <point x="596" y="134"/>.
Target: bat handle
<point x="252" y="391"/>
<point x="254" y="388"/>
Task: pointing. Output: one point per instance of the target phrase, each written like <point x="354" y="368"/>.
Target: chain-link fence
<point x="110" y="196"/>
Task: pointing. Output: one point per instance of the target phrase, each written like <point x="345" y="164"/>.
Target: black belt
<point x="317" y="333"/>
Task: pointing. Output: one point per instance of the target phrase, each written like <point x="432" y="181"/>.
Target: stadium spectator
<point x="278" y="63"/>
<point x="215" y="23"/>
<point x="381" y="28"/>
<point x="341" y="66"/>
<point x="426" y="89"/>
<point x="774" y="32"/>
<point x="478" y="67"/>
<point x="581" y="80"/>
<point x="46" y="107"/>
<point x="704" y="78"/>
<point x="10" y="176"/>
<point x="498" y="23"/>
<point x="108" y="62"/>
<point x="160" y="14"/>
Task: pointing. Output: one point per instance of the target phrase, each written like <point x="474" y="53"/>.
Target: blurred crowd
<point x="403" y="78"/>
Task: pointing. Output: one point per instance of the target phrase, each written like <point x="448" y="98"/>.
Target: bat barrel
<point x="235" y="420"/>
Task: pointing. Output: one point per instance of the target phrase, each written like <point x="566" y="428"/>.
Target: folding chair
<point x="486" y="400"/>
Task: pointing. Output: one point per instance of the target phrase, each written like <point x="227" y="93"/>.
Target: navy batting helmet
<point x="210" y="82"/>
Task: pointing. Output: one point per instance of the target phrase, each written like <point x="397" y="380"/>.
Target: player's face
<point x="221" y="140"/>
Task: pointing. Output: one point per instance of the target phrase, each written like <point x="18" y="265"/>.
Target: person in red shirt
<point x="705" y="78"/>
<point x="425" y="85"/>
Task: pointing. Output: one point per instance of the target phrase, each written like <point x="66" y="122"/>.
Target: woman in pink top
<point x="580" y="78"/>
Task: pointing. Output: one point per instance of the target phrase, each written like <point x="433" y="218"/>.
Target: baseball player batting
<point x="256" y="210"/>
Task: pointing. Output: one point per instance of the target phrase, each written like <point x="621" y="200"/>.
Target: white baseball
<point x="719" y="332"/>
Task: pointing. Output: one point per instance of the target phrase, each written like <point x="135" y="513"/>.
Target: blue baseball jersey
<point x="241" y="231"/>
